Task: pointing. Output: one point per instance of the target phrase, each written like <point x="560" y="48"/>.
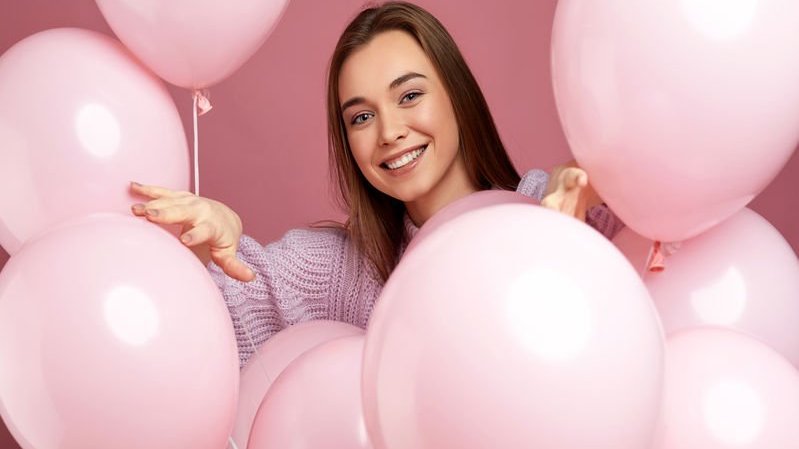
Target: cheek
<point x="451" y="130"/>
<point x="362" y="154"/>
<point x="358" y="148"/>
<point x="442" y="120"/>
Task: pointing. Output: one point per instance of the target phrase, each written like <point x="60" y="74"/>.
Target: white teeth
<point x="405" y="160"/>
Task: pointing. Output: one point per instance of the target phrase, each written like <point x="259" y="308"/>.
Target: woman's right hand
<point x="208" y="225"/>
<point x="569" y="191"/>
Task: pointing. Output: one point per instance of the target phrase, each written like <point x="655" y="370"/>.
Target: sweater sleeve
<point x="293" y="282"/>
<point x="534" y="184"/>
<point x="604" y="220"/>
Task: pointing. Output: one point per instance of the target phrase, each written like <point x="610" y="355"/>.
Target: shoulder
<point x="534" y="183"/>
<point x="312" y="243"/>
<point x="298" y="248"/>
<point x="297" y="239"/>
<point x="313" y="238"/>
<point x="298" y="267"/>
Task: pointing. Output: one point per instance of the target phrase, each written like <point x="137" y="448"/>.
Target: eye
<point x="410" y="96"/>
<point x="360" y="118"/>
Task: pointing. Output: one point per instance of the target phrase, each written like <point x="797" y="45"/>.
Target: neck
<point x="450" y="188"/>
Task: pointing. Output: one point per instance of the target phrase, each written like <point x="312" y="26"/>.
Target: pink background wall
<point x="263" y="147"/>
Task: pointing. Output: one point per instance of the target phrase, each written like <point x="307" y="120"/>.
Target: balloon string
<point x="201" y="102"/>
<point x="196" y="149"/>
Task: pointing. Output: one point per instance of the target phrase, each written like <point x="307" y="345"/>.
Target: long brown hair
<point x="375" y="221"/>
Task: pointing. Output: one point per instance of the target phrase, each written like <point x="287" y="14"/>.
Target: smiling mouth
<point x="404" y="160"/>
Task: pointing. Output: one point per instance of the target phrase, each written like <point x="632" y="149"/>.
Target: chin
<point x="404" y="196"/>
<point x="412" y="191"/>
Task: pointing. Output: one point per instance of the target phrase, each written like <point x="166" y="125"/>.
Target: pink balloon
<point x="193" y="43"/>
<point x="680" y="111"/>
<point x="513" y="326"/>
<point x="724" y="390"/>
<point x="477" y="200"/>
<point x="637" y="249"/>
<point x="316" y="401"/>
<point x="741" y="274"/>
<point x="100" y="347"/>
<point x="272" y="358"/>
<point x="79" y="120"/>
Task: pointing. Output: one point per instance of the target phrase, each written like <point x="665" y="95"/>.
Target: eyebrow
<point x="394" y="84"/>
<point x="404" y="78"/>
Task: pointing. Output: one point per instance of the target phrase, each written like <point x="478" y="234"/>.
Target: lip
<point x="402" y="172"/>
<point x="396" y="156"/>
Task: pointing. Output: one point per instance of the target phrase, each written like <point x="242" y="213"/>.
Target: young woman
<point x="410" y="132"/>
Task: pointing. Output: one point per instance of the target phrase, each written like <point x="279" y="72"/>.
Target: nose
<point x="392" y="128"/>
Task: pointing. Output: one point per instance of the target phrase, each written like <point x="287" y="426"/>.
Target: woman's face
<point x="399" y="120"/>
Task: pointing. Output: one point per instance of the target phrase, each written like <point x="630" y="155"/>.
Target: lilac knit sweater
<point x="313" y="274"/>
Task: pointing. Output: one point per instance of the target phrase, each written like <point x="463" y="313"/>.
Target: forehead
<point x="375" y="65"/>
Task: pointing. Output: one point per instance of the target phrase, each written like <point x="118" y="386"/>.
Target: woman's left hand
<point x="569" y="192"/>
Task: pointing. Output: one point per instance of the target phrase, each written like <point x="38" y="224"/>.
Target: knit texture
<point x="313" y="274"/>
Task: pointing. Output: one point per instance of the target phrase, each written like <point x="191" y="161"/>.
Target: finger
<point x="155" y="191"/>
<point x="138" y="209"/>
<point x="235" y="268"/>
<point x="582" y="179"/>
<point x="551" y="201"/>
<point x="559" y="202"/>
<point x="197" y="235"/>
<point x="166" y="202"/>
<point x="565" y="202"/>
<point x="170" y="213"/>
<point x="572" y="177"/>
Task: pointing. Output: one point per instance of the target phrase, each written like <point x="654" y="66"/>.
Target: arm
<point x="293" y="283"/>
<point x="570" y="192"/>
<point x="543" y="187"/>
<point x="265" y="288"/>
<point x="209" y="228"/>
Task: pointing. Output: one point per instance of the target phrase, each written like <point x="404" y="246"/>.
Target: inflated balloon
<point x="681" y="111"/>
<point x="477" y="200"/>
<point x="79" y="120"/>
<point x="740" y="274"/>
<point x="193" y="43"/>
<point x="316" y="402"/>
<point x="513" y="326"/>
<point x="724" y="390"/>
<point x="272" y="358"/>
<point x="102" y="347"/>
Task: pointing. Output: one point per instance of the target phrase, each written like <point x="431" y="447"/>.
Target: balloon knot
<point x="203" y="100"/>
<point x="657" y="255"/>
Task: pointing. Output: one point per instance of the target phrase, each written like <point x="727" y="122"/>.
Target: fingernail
<point x="152" y="212"/>
<point x="137" y="207"/>
<point x="135" y="184"/>
<point x="185" y="238"/>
